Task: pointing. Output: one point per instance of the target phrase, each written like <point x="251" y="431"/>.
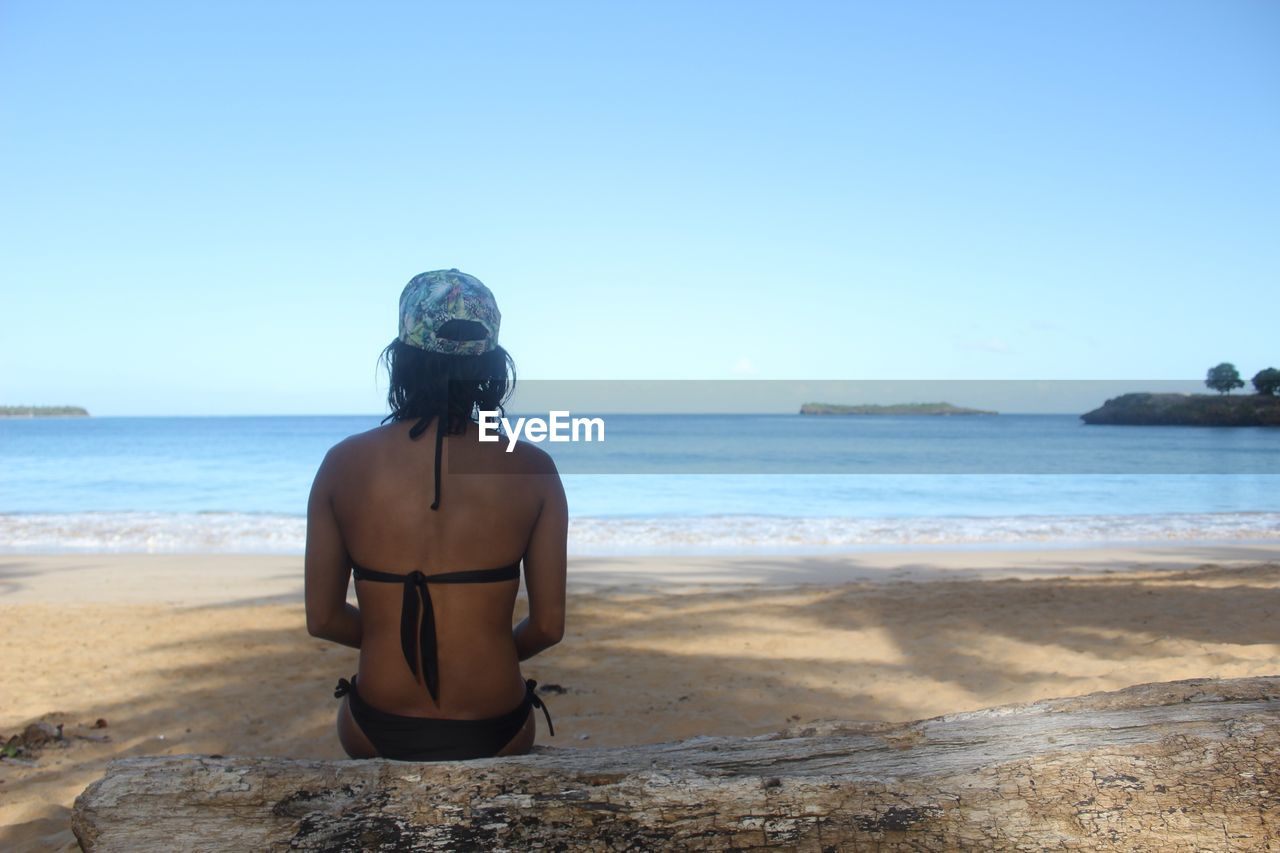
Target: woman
<point x="434" y="532"/>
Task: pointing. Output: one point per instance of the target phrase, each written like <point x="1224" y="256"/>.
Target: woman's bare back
<point x="493" y="506"/>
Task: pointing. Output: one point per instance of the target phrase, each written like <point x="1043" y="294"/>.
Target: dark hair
<point x="424" y="383"/>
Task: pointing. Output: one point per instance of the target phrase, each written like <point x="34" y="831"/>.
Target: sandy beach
<point x="209" y="654"/>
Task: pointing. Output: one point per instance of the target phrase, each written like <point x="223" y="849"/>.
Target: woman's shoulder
<point x="358" y="446"/>
<point x="501" y="455"/>
<point x="530" y="458"/>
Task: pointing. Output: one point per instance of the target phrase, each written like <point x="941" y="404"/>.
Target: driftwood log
<point x="1185" y="765"/>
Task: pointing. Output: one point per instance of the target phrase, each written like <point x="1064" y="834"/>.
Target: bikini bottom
<point x="402" y="738"/>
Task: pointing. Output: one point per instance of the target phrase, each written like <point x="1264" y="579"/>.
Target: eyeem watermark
<point x="558" y="426"/>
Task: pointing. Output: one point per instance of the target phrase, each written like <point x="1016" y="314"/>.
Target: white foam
<point x="153" y="533"/>
<point x="262" y="533"/>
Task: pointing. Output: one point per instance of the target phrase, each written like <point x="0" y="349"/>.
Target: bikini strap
<point x="419" y="428"/>
<point x="363" y="574"/>
<point x="442" y="424"/>
<point x="501" y="573"/>
<point x="538" y="703"/>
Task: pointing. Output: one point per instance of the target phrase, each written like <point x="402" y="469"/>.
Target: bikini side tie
<point x="538" y="703"/>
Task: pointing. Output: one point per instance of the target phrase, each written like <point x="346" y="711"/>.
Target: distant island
<point x="43" y="412"/>
<point x="895" y="409"/>
<point x="1187" y="410"/>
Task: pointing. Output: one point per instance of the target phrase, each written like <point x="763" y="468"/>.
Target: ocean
<point x="662" y="484"/>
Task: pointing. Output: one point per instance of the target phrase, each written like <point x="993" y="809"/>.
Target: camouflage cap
<point x="432" y="299"/>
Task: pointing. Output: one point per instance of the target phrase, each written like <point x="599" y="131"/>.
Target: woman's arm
<point x="545" y="562"/>
<point x="328" y="568"/>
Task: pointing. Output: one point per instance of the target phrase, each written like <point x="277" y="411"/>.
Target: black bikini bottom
<point x="435" y="739"/>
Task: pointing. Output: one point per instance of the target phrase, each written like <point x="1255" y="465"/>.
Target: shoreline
<point x="724" y="535"/>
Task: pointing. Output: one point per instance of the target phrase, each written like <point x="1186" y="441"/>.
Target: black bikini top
<point x="417" y="600"/>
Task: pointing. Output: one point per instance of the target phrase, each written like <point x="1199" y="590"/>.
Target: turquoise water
<point x="664" y="483"/>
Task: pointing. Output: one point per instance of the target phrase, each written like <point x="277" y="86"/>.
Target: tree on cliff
<point x="1223" y="378"/>
<point x="1267" y="381"/>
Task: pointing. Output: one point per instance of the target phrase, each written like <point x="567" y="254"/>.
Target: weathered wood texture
<point x="1186" y="765"/>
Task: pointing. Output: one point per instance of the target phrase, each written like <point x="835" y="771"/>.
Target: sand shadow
<point x="646" y="665"/>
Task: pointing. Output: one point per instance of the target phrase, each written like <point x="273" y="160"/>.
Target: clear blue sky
<point x="211" y="208"/>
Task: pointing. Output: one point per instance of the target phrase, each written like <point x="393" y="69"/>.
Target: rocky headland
<point x="1187" y="410"/>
